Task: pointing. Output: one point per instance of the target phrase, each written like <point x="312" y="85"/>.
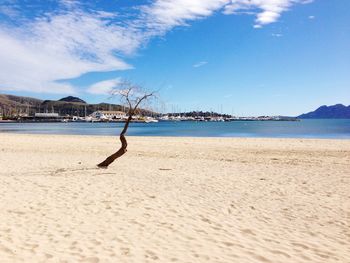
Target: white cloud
<point x="60" y="47"/>
<point x="104" y="87"/>
<point x="267" y="11"/>
<point x="276" y="35"/>
<point x="311" y="17"/>
<point x="67" y="43"/>
<point x="163" y="15"/>
<point x="200" y="64"/>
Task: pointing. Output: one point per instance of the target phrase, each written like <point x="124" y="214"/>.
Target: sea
<point x="315" y="128"/>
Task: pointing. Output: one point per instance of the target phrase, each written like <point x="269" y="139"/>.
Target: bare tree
<point x="133" y="96"/>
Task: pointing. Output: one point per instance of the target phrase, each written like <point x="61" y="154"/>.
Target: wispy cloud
<point x="163" y="15"/>
<point x="200" y="64"/>
<point x="69" y="40"/>
<point x="276" y="35"/>
<point x="166" y="14"/>
<point x="311" y="17"/>
<point x="9" y="11"/>
<point x="59" y="47"/>
<point x="268" y="11"/>
<point x="104" y="87"/>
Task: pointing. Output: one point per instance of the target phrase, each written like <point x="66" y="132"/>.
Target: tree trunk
<point x="122" y="150"/>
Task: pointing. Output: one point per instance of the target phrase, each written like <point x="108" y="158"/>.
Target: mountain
<point x="338" y="111"/>
<point x="72" y="99"/>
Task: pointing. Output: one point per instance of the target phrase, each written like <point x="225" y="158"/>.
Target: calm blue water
<point x="276" y="129"/>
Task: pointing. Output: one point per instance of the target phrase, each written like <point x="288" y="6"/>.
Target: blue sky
<point x="243" y="57"/>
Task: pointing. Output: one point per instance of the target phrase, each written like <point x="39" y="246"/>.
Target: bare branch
<point x="131" y="94"/>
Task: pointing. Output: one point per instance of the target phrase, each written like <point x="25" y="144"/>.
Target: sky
<point x="241" y="57"/>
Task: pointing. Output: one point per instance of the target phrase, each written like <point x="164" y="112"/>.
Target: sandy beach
<point x="174" y="200"/>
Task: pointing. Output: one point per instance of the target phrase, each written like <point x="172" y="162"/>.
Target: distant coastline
<point x="337" y="111"/>
<point x="70" y="109"/>
<point x="74" y="109"/>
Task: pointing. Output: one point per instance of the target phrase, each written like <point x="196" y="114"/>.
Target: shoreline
<point x="171" y="136"/>
<point x="177" y="137"/>
<point x="174" y="199"/>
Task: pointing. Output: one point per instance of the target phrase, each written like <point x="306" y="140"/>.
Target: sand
<point x="174" y="200"/>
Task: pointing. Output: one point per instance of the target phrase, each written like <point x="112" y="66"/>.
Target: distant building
<point x="41" y="117"/>
<point x="46" y="115"/>
<point x="108" y="115"/>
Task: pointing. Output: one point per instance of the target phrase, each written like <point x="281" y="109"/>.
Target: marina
<point x="120" y="116"/>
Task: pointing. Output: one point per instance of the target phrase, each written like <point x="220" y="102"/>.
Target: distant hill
<point x="72" y="99"/>
<point x="11" y="100"/>
<point x="11" y="106"/>
<point x="338" y="111"/>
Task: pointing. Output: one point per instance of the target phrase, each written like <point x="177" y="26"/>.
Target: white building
<point x="46" y="115"/>
<point x="108" y="115"/>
